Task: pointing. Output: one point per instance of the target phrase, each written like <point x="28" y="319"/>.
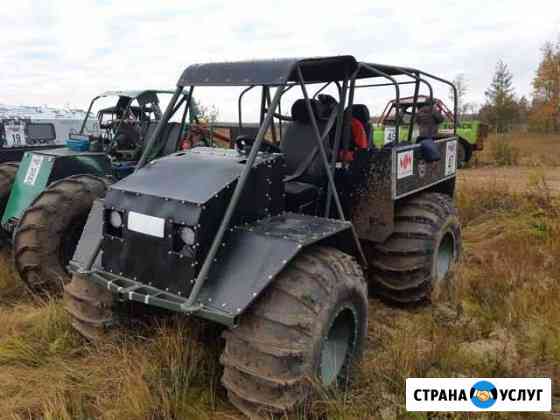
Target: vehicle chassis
<point x="217" y="293"/>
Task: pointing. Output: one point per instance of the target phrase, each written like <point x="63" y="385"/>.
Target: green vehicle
<point x="471" y="133"/>
<point x="51" y="194"/>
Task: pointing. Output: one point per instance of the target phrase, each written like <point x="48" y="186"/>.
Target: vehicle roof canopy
<point x="279" y="71"/>
<point x="133" y="93"/>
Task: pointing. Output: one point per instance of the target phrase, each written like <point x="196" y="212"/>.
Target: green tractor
<point x="278" y="241"/>
<point x="472" y="133"/>
<point x="50" y="195"/>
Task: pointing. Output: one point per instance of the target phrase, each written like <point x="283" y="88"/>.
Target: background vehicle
<point x="471" y="133"/>
<point x="277" y="242"/>
<point x="48" y="200"/>
<point x="24" y="129"/>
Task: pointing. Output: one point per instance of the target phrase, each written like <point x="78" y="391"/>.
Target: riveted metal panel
<point x="195" y="175"/>
<point x="423" y="174"/>
<point x="253" y="255"/>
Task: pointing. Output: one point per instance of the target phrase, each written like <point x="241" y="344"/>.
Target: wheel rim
<point x="445" y="253"/>
<point x="338" y="346"/>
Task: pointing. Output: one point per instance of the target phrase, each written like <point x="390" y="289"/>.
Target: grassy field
<point x="504" y="320"/>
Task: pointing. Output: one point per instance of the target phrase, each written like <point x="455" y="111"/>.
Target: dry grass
<point x="524" y="149"/>
<point x="504" y="321"/>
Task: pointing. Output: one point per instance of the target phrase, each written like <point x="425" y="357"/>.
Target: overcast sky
<point x="60" y="52"/>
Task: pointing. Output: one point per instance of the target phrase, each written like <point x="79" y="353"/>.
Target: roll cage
<point x="124" y="102"/>
<point x="283" y="75"/>
<point x="389" y="113"/>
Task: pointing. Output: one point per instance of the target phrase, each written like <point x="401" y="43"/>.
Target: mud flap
<point x="467" y="147"/>
<point x="91" y="236"/>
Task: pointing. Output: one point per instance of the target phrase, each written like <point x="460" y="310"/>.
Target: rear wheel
<point x="416" y="263"/>
<point x="310" y="323"/>
<point x="8" y="172"/>
<point x="49" y="230"/>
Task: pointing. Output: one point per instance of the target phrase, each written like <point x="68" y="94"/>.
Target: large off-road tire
<point x="309" y="324"/>
<point x="417" y="262"/>
<point x="90" y="307"/>
<point x="8" y="172"/>
<point x="48" y="231"/>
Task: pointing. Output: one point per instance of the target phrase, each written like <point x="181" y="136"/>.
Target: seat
<point x="361" y="113"/>
<point x="300" y="145"/>
<point x="171" y="138"/>
<point x="147" y="130"/>
<point x="306" y="171"/>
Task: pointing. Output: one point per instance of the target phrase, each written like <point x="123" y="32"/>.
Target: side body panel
<point x="396" y="173"/>
<point x="39" y="169"/>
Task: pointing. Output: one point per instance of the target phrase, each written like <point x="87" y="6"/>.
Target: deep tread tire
<point x="271" y="356"/>
<point x="8" y="173"/>
<point x="404" y="268"/>
<point x="50" y="228"/>
<point x="90" y="307"/>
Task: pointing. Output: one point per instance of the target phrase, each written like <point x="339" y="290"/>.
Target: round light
<point x="115" y="219"/>
<point x="187" y="235"/>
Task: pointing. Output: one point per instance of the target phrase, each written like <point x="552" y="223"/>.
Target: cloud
<point x="62" y="51"/>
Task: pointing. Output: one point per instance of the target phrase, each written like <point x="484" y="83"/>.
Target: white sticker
<point x="33" y="170"/>
<point x="390" y="134"/>
<point x="405" y="164"/>
<point x="451" y="157"/>
<point x="15" y="134"/>
<point x="149" y="225"/>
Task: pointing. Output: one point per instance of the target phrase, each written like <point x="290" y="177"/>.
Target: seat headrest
<point x="361" y="112"/>
<point x="299" y="110"/>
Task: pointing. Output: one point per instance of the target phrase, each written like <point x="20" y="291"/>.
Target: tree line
<point x="504" y="110"/>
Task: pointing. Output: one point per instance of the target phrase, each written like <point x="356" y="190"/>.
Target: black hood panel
<point x="194" y="176"/>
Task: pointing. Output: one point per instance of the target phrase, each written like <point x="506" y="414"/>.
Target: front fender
<point x="253" y="255"/>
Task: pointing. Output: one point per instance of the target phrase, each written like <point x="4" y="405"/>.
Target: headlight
<point x="115" y="219"/>
<point x="187" y="235"/>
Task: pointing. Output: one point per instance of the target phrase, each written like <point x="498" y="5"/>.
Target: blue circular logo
<point x="483" y="394"/>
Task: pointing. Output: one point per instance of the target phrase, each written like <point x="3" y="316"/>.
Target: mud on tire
<point x="90" y="306"/>
<point x="416" y="262"/>
<point x="290" y="335"/>
<point x="49" y="230"/>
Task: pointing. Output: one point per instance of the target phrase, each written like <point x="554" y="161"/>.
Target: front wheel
<point x="310" y="323"/>
<point x="49" y="230"/>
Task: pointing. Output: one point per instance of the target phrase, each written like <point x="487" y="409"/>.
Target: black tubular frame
<point x="267" y="114"/>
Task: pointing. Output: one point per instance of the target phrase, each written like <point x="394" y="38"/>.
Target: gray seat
<point x="299" y="145"/>
<point x="306" y="172"/>
<point x="171" y="138"/>
<point x="148" y="129"/>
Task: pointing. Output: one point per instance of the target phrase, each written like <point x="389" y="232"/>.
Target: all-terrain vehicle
<point x="19" y="135"/>
<point x="276" y="242"/>
<point x="51" y="194"/>
<point x="471" y="134"/>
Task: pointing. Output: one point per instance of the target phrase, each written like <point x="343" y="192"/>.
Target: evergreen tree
<point x="500" y="110"/>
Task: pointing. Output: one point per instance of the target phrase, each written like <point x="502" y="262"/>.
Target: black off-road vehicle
<point x="277" y="241"/>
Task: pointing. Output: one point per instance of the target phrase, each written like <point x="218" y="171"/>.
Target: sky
<point x="63" y="52"/>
